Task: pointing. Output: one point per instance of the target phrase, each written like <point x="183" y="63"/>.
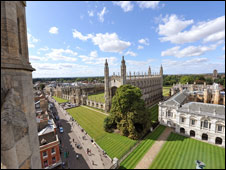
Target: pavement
<point x="94" y="160"/>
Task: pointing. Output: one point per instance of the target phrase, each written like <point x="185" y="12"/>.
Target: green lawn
<point x="134" y="157"/>
<point x="97" y="97"/>
<point x="166" y="90"/>
<point x="60" y="100"/>
<point x="114" y="144"/>
<point x="180" y="152"/>
<point x="154" y="113"/>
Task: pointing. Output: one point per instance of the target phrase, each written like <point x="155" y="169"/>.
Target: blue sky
<point x="73" y="39"/>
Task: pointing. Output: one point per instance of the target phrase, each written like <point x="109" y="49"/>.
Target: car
<point x="61" y="129"/>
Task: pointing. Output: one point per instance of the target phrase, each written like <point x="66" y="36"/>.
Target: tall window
<point x="182" y="119"/>
<point x="44" y="154"/>
<point x="219" y="128"/>
<point x="53" y="159"/>
<point x="192" y="122"/>
<point x="205" y="123"/>
<point x="18" y="32"/>
<point x="53" y="150"/>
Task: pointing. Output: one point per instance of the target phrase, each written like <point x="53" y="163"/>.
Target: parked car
<point x="61" y="130"/>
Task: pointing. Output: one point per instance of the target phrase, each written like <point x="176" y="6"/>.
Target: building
<point x="49" y="144"/>
<point x="214" y="94"/>
<point x="202" y="121"/>
<point x="19" y="139"/>
<point x="150" y="85"/>
<point x="215" y="74"/>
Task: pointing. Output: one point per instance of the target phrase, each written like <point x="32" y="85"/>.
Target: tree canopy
<point x="128" y="113"/>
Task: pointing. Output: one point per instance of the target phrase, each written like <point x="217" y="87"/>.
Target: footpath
<point x="154" y="150"/>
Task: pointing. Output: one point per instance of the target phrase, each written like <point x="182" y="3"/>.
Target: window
<point x="219" y="128"/>
<point x="54" y="159"/>
<point x="169" y="114"/>
<point x="182" y="119"/>
<point x="205" y="124"/>
<point x="192" y="122"/>
<point x="44" y="154"/>
<point x="46" y="163"/>
<point x="18" y="32"/>
<point x="53" y="150"/>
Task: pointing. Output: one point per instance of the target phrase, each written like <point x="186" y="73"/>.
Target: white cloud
<point x="173" y="25"/>
<point x="91" y="13"/>
<point x="223" y="48"/>
<point x="37" y="58"/>
<point x="106" y="42"/>
<point x="77" y="34"/>
<point x="207" y="30"/>
<point x="140" y="47"/>
<point x="31" y="40"/>
<point x="215" y="37"/>
<point x="131" y="53"/>
<point x="148" y="4"/>
<point x="144" y="41"/>
<point x="53" y="30"/>
<point x="95" y="60"/>
<point x="139" y="63"/>
<point x="61" y="54"/>
<point x="101" y="14"/>
<point x="43" y="49"/>
<point x="93" y="54"/>
<point x="110" y="42"/>
<point x="125" y="5"/>
<point x="188" y="51"/>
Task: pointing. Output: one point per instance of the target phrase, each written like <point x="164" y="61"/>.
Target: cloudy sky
<point x="73" y="39"/>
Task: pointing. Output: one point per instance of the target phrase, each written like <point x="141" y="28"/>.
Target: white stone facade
<point x="201" y="121"/>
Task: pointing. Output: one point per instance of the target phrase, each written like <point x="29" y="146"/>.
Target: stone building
<point x="202" y="121"/>
<point x="202" y="93"/>
<point x="19" y="139"/>
<point x="150" y="85"/>
<point x="215" y="74"/>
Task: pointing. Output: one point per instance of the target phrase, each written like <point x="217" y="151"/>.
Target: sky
<point x="73" y="39"/>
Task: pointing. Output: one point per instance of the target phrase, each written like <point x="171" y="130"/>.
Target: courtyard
<point x="166" y="90"/>
<point x="91" y="121"/>
<point x="60" y="100"/>
<point x="181" y="152"/>
<point x="97" y="97"/>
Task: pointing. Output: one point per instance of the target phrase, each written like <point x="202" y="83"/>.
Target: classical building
<point x="19" y="139"/>
<point x="150" y="85"/>
<point x="199" y="120"/>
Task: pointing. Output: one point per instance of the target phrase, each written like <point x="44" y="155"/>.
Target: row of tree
<point x="169" y="80"/>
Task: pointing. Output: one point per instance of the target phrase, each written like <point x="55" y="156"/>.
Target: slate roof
<point x="177" y="99"/>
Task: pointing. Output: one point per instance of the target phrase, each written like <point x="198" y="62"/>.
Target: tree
<point x="128" y="112"/>
<point x="209" y="81"/>
<point x="185" y="79"/>
<point x="42" y="86"/>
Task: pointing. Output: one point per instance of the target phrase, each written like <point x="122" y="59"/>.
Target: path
<point x="95" y="110"/>
<point x="154" y="150"/>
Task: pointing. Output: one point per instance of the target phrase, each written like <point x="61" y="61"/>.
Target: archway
<point x="218" y="141"/>
<point x="113" y="91"/>
<point x="204" y="136"/>
<point x="182" y="130"/>
<point x="192" y="133"/>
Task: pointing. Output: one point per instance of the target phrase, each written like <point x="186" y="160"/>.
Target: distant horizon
<point x="111" y="75"/>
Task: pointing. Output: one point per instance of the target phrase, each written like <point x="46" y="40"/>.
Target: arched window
<point x="182" y="130"/>
<point x="192" y="133"/>
<point x="204" y="136"/>
<point x="218" y="141"/>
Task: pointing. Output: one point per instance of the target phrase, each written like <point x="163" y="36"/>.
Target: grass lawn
<point x="154" y="113"/>
<point x="97" y="97"/>
<point x="134" y="157"/>
<point x="60" y="100"/>
<point x="180" y="152"/>
<point x="114" y="144"/>
<point x="166" y="90"/>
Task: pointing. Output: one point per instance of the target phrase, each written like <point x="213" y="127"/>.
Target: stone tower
<point x="19" y="135"/>
<point x="161" y="71"/>
<point x="217" y="96"/>
<point x="149" y="71"/>
<point x="206" y="96"/>
<point x="214" y="74"/>
<point x="123" y="71"/>
<point x="106" y="87"/>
